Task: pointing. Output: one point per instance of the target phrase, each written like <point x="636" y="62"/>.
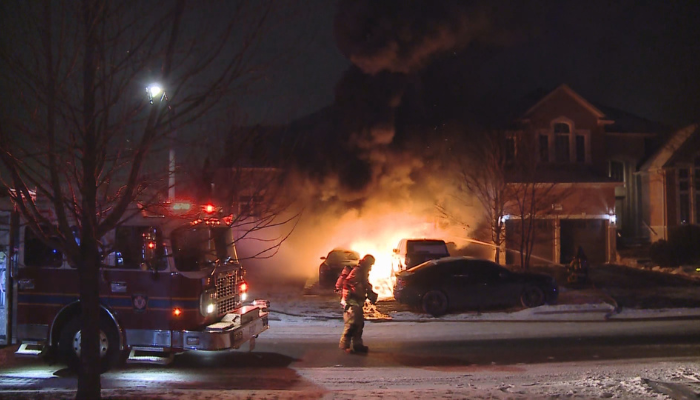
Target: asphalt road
<point x="282" y="353"/>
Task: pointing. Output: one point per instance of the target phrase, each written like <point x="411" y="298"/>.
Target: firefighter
<point x="355" y="288"/>
<point x="578" y="269"/>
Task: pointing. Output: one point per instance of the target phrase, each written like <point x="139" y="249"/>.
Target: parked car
<point x="333" y="265"/>
<point x="453" y="283"/>
<point x="411" y="252"/>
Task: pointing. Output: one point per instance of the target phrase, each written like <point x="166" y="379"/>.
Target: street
<point x="621" y="359"/>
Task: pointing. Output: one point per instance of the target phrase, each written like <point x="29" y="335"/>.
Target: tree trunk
<point x="89" y="374"/>
<point x="89" y="267"/>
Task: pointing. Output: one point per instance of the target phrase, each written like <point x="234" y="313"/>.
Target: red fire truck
<point x="170" y="282"/>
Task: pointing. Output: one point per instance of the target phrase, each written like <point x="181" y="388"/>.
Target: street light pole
<point x="153" y="92"/>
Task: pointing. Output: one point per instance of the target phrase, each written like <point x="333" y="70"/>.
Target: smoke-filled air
<point x="365" y="174"/>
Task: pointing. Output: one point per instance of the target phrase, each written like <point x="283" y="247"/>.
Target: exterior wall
<point x="561" y="104"/>
<point x="628" y="149"/>
<point x="587" y="199"/>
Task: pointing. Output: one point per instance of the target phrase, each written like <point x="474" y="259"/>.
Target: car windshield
<point x="338" y="256"/>
<point x="428" y="246"/>
<point x="199" y="248"/>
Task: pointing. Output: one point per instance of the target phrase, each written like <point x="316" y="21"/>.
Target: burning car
<point x="333" y="265"/>
<point x="454" y="283"/>
<point x="411" y="252"/>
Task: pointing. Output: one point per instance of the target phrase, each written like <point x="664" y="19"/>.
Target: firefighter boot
<point x="360" y="349"/>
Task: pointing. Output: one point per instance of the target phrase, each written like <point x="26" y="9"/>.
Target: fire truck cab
<point x="170" y="282"/>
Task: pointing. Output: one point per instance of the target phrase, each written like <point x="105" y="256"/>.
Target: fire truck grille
<point x="226" y="296"/>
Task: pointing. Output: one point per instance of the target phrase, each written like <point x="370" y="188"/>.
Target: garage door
<point x="587" y="233"/>
<point x="542" y="248"/>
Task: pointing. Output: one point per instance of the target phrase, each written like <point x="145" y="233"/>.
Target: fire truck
<point x="170" y="282"/>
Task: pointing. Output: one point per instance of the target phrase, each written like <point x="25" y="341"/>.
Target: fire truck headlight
<point x="244" y="296"/>
<point x="207" y="302"/>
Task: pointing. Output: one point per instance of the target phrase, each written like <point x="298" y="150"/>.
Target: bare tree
<point x="481" y="163"/>
<point x="77" y="130"/>
<point x="532" y="193"/>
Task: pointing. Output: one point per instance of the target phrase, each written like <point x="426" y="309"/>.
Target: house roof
<point x="624" y="122"/>
<point x="680" y="145"/>
<point x="616" y="120"/>
<point x="566" y="89"/>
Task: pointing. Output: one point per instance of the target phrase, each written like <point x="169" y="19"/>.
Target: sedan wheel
<point x="532" y="296"/>
<point x="435" y="303"/>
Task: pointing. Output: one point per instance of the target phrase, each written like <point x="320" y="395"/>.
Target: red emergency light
<point x="209" y="208"/>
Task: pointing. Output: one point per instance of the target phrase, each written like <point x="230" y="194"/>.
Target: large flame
<point x="378" y="236"/>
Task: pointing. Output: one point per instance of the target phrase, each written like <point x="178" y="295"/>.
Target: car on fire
<point x="455" y="283"/>
<point x="333" y="264"/>
<point x="411" y="252"/>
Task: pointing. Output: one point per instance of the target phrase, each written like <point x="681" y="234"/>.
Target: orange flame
<point x="378" y="236"/>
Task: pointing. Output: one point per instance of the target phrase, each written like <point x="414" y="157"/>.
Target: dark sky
<point x="639" y="56"/>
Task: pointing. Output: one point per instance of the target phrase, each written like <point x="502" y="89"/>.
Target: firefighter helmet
<point x="367" y="260"/>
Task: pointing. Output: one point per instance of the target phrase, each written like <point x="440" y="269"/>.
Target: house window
<point x="561" y="127"/>
<point x="617" y="171"/>
<point x="544" y="148"/>
<point x="580" y="148"/>
<point x="561" y="148"/>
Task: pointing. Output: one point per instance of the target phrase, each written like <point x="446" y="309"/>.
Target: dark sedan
<point x="455" y="283"/>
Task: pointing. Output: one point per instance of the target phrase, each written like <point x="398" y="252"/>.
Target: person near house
<point x="355" y="290"/>
<point x="578" y="269"/>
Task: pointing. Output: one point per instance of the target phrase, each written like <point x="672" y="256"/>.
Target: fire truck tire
<point x="69" y="344"/>
<point x="434" y="303"/>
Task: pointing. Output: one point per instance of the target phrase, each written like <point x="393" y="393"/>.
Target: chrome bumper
<point x="231" y="332"/>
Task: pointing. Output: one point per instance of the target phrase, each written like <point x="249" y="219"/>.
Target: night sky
<point x="639" y="56"/>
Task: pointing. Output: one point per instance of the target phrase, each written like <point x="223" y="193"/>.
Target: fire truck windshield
<point x="199" y="248"/>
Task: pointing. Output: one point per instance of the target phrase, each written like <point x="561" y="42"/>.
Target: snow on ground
<point x="630" y="380"/>
<point x="573" y="306"/>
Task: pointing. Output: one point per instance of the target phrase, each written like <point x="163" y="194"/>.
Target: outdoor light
<point x="154" y="91"/>
<point x="177" y="311"/>
<point x="612" y="218"/>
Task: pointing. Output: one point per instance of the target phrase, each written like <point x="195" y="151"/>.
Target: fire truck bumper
<point x="231" y="332"/>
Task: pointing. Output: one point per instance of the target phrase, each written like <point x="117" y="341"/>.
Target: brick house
<point x="670" y="183"/>
<point x="590" y="154"/>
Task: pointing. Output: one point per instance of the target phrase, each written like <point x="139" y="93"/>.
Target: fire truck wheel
<point x="70" y="339"/>
<point x="435" y="303"/>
